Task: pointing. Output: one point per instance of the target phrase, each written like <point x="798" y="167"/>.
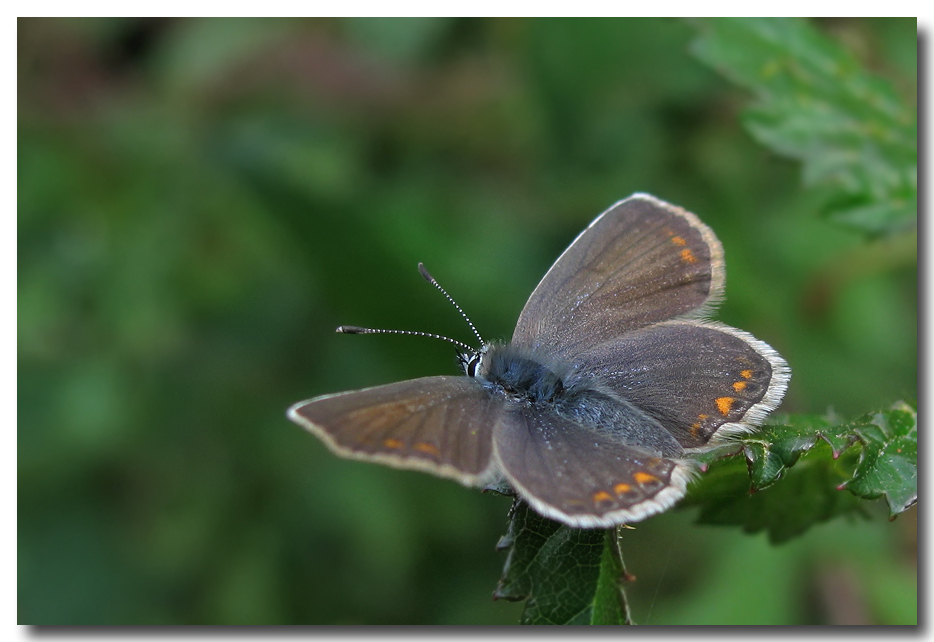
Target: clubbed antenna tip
<point x="352" y="329"/>
<point x="424" y="272"/>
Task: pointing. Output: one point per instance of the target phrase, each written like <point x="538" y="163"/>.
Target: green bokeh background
<point x="201" y="203"/>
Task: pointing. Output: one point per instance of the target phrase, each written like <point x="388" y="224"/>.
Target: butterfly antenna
<point x="431" y="279"/>
<point x="353" y="329"/>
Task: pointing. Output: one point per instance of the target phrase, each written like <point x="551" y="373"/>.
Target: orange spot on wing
<point x="601" y="496"/>
<point x="427" y="448"/>
<point x="677" y="240"/>
<point x="739" y="385"/>
<point x="392" y="443"/>
<point x="702" y="416"/>
<point x="644" y="478"/>
<point x="621" y="489"/>
<point x="746" y="374"/>
<point x="724" y="404"/>
<point x="695" y="430"/>
<point x="687" y="256"/>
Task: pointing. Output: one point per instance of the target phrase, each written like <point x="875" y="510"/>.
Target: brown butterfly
<point x="611" y="378"/>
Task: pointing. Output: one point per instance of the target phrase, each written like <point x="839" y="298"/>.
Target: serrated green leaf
<point x="775" y="448"/>
<point x="888" y="463"/>
<point x="566" y="575"/>
<point x="813" y="458"/>
<point x="806" y="495"/>
<point x="816" y="104"/>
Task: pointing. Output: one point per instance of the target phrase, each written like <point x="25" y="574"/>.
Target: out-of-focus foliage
<point x="816" y="103"/>
<point x="201" y="202"/>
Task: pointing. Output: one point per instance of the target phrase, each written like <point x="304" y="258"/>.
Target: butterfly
<point x="612" y="379"/>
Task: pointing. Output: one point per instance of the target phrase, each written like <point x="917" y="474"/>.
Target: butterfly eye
<point x="472" y="365"/>
<point x="469" y="362"/>
<point x="467" y="359"/>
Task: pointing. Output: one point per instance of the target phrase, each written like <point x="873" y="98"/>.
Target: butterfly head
<point x="472" y="361"/>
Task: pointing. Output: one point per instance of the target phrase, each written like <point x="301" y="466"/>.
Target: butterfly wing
<point x="441" y="425"/>
<point x="579" y="476"/>
<point x="725" y="384"/>
<point x="640" y="262"/>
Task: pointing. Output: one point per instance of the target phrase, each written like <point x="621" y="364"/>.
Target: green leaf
<point x="815" y="103"/>
<point x="744" y="492"/>
<point x="806" y="495"/>
<point x="566" y="575"/>
<point x="888" y="463"/>
<point x="610" y="605"/>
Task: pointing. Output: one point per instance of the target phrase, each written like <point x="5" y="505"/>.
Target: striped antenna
<point x="353" y="329"/>
<point x="431" y="279"/>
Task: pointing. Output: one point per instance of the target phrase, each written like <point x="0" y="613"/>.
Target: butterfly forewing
<point x="640" y="262"/>
<point x="441" y="425"/>
<point x="725" y="383"/>
<point x="579" y="476"/>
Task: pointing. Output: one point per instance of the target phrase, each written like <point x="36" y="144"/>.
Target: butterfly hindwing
<point x="572" y="473"/>
<point x="441" y="425"/>
<point x="642" y="261"/>
<point x="724" y="384"/>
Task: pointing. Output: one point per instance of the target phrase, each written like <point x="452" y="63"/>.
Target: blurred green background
<point x="200" y="204"/>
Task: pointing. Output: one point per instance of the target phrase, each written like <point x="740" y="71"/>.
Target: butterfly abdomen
<point x="613" y="416"/>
